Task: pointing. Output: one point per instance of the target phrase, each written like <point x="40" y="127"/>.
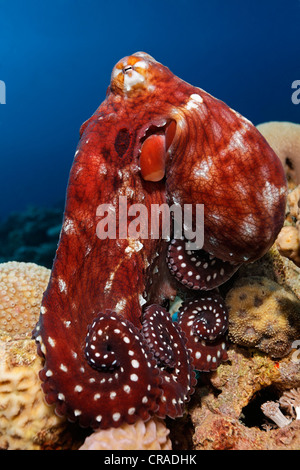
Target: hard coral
<point x="26" y="422"/>
<point x="21" y="289"/>
<point x="288" y="240"/>
<point x="264" y="315"/>
<point x="284" y="138"/>
<point x="152" y="435"/>
<point x="275" y="267"/>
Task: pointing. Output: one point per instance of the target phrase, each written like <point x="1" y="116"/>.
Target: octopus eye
<point x="130" y="76"/>
<point x="128" y="67"/>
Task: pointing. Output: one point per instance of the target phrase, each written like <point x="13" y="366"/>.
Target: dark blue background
<point x="56" y="58"/>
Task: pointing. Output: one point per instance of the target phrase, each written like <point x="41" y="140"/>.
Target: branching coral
<point x="264" y="315"/>
<point x="152" y="435"/>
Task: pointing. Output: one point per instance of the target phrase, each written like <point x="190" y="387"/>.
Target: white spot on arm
<point x="62" y="285"/>
<point x="51" y="341"/>
<point x="133" y="246"/>
<point x="69" y="226"/>
<point x="120" y="305"/>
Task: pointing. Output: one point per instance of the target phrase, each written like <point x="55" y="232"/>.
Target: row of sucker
<point x="197" y="269"/>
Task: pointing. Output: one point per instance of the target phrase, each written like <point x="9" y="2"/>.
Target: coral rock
<point x="152" y="435"/>
<point x="225" y="410"/>
<point x="264" y="315"/>
<point x="26" y="422"/>
<point x="275" y="267"/>
<point x="219" y="432"/>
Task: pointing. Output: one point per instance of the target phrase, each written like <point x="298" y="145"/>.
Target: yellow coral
<point x="288" y="243"/>
<point x="288" y="240"/>
<point x="264" y="315"/>
<point x="21" y="289"/>
<point x="26" y="422"/>
<point x="152" y="435"/>
<point x="284" y="138"/>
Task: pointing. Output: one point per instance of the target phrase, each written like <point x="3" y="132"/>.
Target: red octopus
<point x="111" y="352"/>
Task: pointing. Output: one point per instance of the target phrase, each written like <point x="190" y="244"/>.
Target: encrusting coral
<point x="264" y="315"/>
<point x="26" y="422"/>
<point x="152" y="435"/>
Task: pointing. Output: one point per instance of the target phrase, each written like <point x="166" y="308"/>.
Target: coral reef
<point x="26" y="422"/>
<point x="288" y="240"/>
<point x="276" y="268"/>
<point x="260" y="379"/>
<point x="152" y="435"/>
<point x="226" y="410"/>
<point x="31" y="235"/>
<point x="264" y="315"/>
<point x="284" y="138"/>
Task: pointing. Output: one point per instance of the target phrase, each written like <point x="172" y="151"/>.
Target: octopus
<point x="111" y="352"/>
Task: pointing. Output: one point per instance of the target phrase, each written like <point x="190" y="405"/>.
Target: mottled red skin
<point x="92" y="279"/>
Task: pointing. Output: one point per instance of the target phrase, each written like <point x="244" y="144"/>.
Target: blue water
<point x="56" y="58"/>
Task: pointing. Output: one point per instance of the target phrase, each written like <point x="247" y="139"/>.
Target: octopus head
<point x="132" y="74"/>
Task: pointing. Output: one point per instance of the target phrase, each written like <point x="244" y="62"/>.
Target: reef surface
<point x="250" y="402"/>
